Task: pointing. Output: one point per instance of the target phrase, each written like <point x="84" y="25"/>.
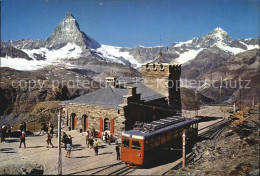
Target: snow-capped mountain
<point x="68" y="42"/>
<point x="217" y="38"/>
<point x="68" y="31"/>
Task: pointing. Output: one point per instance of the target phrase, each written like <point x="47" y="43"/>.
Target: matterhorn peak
<point x="68" y="31"/>
<point x="69" y="15"/>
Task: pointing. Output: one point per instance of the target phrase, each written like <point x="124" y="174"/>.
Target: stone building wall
<point x="94" y="113"/>
<point x="164" y="78"/>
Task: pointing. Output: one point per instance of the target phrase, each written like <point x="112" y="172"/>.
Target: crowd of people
<point x="91" y="141"/>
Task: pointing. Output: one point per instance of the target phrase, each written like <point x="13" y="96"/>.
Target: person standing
<point x="4" y="129"/>
<point x="91" y="141"/>
<point x="49" y="140"/>
<point x="1" y="134"/>
<point x="111" y="138"/>
<point x="87" y="139"/>
<point x="96" y="147"/>
<point x="9" y="131"/>
<point x="22" y="140"/>
<point x="106" y="136"/>
<point x="117" y="152"/>
<point x="64" y="137"/>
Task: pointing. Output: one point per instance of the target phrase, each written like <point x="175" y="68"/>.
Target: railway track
<point x="214" y="130"/>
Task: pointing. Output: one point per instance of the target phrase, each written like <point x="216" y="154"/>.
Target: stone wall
<point x="164" y="78"/>
<point x="94" y="113"/>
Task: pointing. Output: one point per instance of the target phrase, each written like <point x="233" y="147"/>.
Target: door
<point x="74" y="122"/>
<point x="101" y="124"/>
<point x="86" y="123"/>
<point x="112" y="126"/>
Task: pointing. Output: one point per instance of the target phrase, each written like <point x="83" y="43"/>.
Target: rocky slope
<point x="234" y="152"/>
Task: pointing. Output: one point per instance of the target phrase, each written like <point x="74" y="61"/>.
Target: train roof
<point x="140" y="134"/>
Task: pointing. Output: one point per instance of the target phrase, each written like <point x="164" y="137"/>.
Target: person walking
<point x="43" y="127"/>
<point x="68" y="146"/>
<point x="96" y="147"/>
<point x="22" y="140"/>
<point x="49" y="140"/>
<point x="117" y="152"/>
<point x="51" y="128"/>
<point x="87" y="139"/>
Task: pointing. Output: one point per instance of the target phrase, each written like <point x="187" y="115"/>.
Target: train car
<point x="150" y="142"/>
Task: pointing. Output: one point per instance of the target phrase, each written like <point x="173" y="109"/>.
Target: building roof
<point x="113" y="97"/>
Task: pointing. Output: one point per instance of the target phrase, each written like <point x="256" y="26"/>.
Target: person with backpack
<point x="22" y="139"/>
<point x="68" y="146"/>
<point x="96" y="147"/>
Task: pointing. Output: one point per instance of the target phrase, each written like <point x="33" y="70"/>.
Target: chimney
<point x="111" y="81"/>
<point x="132" y="90"/>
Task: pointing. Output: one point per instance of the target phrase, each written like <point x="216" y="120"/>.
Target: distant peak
<point x="218" y="29"/>
<point x="69" y="15"/>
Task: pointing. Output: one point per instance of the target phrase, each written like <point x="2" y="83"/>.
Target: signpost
<point x="59" y="144"/>
<point x="183" y="150"/>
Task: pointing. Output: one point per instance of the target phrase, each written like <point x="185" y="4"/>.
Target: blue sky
<point x="130" y="23"/>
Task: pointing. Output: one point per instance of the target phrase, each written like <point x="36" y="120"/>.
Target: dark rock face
<point x="206" y="61"/>
<point x="8" y="50"/>
<point x="68" y="31"/>
<point x="27" y="44"/>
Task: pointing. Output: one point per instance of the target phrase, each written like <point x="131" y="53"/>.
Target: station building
<point x="125" y="100"/>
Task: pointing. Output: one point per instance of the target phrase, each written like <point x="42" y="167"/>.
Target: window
<point x="157" y="141"/>
<point x="147" y="66"/>
<point x="163" y="139"/>
<point x="151" y="143"/>
<point x="175" y="134"/>
<point x="146" y="145"/>
<point x="169" y="136"/>
<point x="161" y="67"/>
<point x="106" y="124"/>
<point x="125" y="142"/>
<point x="136" y="145"/>
<point x="154" y="68"/>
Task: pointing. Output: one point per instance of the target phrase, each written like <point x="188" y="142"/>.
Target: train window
<point x="151" y="143"/>
<point x="169" y="136"/>
<point x="136" y="145"/>
<point x="163" y="139"/>
<point x="157" y="141"/>
<point x="146" y="145"/>
<point x="125" y="142"/>
<point x="175" y="134"/>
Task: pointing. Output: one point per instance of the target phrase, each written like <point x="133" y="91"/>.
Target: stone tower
<point x="164" y="78"/>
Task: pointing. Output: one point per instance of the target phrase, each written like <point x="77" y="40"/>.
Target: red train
<point x="148" y="142"/>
